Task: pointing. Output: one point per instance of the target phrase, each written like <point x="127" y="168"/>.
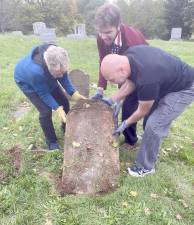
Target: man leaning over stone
<point x="164" y="86"/>
<point x="38" y="76"/>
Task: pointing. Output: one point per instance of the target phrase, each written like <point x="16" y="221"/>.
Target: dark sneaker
<point x="53" y="146"/>
<point x="136" y="171"/>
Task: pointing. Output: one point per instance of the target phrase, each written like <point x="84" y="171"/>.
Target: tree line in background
<point x="154" y="18"/>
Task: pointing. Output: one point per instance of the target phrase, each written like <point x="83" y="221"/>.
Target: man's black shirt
<point x="156" y="73"/>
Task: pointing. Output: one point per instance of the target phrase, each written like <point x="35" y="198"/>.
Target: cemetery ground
<point x="28" y="192"/>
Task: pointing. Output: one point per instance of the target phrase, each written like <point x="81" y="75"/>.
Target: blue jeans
<point x="45" y="112"/>
<point x="158" y="123"/>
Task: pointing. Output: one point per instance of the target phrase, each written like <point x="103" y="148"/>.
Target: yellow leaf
<point x="75" y="144"/>
<point x="153" y="195"/>
<point x="87" y="105"/>
<point x="133" y="193"/>
<point x="183" y="203"/>
<point x="115" y="144"/>
<point x="178" y="217"/>
<point x="125" y="204"/>
<point x="147" y="211"/>
<point x="48" y="222"/>
<point x="20" y="128"/>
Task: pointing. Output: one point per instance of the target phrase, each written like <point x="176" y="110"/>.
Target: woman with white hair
<point x="38" y="76"/>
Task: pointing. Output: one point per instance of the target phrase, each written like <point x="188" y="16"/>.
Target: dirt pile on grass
<point x="16" y="158"/>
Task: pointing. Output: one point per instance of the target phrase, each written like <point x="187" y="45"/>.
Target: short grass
<point x="28" y="198"/>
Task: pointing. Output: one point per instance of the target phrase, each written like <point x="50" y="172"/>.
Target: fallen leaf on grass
<point x="48" y="222"/>
<point x="125" y="204"/>
<point x="20" y="128"/>
<point x="133" y="193"/>
<point x="183" y="203"/>
<point x="153" y="195"/>
<point x="147" y="211"/>
<point x="178" y="217"/>
<point x="30" y="147"/>
<point x="165" y="152"/>
<point x="188" y="138"/>
<point x="115" y="144"/>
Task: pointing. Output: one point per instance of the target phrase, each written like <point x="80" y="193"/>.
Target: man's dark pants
<point x="129" y="106"/>
<point x="45" y="112"/>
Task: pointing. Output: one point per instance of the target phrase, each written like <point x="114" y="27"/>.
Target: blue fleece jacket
<point x="33" y="77"/>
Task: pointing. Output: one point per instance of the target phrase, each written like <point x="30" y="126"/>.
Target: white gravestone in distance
<point x="39" y="27"/>
<point x="79" y="32"/>
<point x="17" y="33"/>
<point x="176" y="33"/>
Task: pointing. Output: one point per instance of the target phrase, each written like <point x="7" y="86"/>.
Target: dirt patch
<point x="16" y="157"/>
<point x="2" y="175"/>
<point x="22" y="110"/>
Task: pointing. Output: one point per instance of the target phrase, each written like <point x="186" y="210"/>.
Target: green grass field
<point x="27" y="194"/>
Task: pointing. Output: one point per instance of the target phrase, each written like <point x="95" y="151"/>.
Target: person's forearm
<point x="135" y="117"/>
<point x="127" y="88"/>
<point x="142" y="110"/>
<point x="101" y="89"/>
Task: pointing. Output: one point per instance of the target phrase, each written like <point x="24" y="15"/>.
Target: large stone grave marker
<point x="91" y="162"/>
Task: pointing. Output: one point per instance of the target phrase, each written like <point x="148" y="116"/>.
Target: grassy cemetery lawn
<point x="28" y="194"/>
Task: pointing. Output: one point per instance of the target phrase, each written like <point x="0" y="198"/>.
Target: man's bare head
<point x="115" y="68"/>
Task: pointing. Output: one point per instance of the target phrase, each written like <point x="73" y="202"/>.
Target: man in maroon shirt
<point x="116" y="37"/>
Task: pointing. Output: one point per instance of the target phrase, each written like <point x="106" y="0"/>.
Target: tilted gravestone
<point x="81" y="81"/>
<point x="176" y="33"/>
<point x="39" y="27"/>
<point x="91" y="160"/>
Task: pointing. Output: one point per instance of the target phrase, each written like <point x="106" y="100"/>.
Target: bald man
<point x="164" y="86"/>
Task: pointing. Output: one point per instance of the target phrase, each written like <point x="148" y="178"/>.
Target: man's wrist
<point x="99" y="91"/>
<point x="127" y="121"/>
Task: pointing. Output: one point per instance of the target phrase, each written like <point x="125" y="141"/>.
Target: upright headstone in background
<point x="17" y="33"/>
<point x="91" y="162"/>
<point x="81" y="81"/>
<point x="39" y="27"/>
<point x="80" y="29"/>
<point x="176" y="33"/>
<point x="48" y="36"/>
<point x="79" y="32"/>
